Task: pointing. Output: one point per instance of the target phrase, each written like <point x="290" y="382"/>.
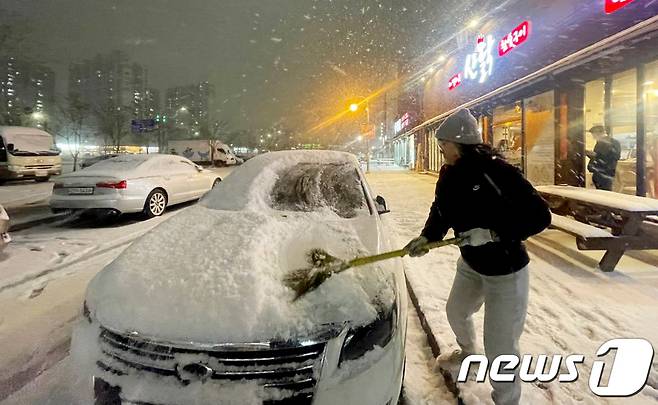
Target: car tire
<point x="42" y="179"/>
<point x="216" y="182"/>
<point x="155" y="203"/>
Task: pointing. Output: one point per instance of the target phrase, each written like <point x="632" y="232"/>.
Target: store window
<point x="507" y="132"/>
<point x="650" y="87"/>
<point x="594" y="115"/>
<point x="623" y="127"/>
<point x="540" y="138"/>
<point x="435" y="154"/>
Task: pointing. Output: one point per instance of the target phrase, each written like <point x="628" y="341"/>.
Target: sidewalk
<point x="573" y="307"/>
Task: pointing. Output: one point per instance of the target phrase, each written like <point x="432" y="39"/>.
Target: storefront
<point x="536" y="84"/>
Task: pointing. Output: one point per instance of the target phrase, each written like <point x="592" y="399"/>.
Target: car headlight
<point x="363" y="339"/>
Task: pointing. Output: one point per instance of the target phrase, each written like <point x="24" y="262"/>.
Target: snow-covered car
<point x="93" y="160"/>
<point x="145" y="183"/>
<point x="4" y="228"/>
<point x="195" y="312"/>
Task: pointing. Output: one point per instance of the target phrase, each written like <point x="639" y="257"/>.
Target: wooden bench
<point x="588" y="237"/>
<point x="630" y="218"/>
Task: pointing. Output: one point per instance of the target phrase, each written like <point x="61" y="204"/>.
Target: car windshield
<point x="312" y="186"/>
<point x="26" y="142"/>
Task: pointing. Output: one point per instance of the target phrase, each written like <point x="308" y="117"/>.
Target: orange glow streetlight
<point x="354" y="107"/>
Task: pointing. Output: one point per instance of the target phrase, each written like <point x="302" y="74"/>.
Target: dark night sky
<point x="267" y="58"/>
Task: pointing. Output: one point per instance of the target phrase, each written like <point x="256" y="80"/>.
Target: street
<point x="47" y="268"/>
<point x="43" y="276"/>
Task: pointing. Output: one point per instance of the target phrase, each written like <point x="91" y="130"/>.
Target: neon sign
<point x="613" y="5"/>
<point x="402" y="123"/>
<point x="479" y="65"/>
<point x="514" y="38"/>
<point x="455" y="81"/>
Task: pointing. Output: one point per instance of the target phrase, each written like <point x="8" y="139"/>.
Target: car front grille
<point x="38" y="167"/>
<point x="292" y="368"/>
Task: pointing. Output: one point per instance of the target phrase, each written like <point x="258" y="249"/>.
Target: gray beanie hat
<point x="460" y="127"/>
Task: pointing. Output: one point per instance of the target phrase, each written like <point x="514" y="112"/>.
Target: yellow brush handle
<point x="360" y="261"/>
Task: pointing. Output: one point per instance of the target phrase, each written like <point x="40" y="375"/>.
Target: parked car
<point x="4" y="228"/>
<point x="194" y="309"/>
<point x="132" y="183"/>
<point x="93" y="160"/>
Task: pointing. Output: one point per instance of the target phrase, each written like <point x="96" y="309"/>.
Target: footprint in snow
<point x="60" y="257"/>
<point x="37" y="291"/>
<point x="36" y="248"/>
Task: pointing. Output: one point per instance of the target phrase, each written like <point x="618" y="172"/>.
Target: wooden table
<point x="623" y="213"/>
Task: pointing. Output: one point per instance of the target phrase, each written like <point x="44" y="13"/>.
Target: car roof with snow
<point x="12" y="131"/>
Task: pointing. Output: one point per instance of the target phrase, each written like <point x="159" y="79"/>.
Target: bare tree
<point x="74" y="126"/>
<point x="113" y="122"/>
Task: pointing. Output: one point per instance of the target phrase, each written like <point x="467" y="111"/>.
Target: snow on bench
<point x="604" y="198"/>
<point x="576" y="228"/>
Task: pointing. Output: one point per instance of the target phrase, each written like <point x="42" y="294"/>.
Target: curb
<point x="433" y="342"/>
<point x="19" y="226"/>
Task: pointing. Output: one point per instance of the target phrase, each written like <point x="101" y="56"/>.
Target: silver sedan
<point x="133" y="183"/>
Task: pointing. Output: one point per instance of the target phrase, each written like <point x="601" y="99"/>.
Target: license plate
<point x="81" y="190"/>
<point x="41" y="173"/>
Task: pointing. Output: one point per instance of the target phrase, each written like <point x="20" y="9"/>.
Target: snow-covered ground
<point x="573" y="307"/>
<point x="42" y="281"/>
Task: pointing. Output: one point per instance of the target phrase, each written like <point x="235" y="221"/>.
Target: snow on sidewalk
<point x="573" y="308"/>
<point x="18" y="194"/>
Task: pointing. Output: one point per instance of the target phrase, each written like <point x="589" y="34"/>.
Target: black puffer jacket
<point x="487" y="192"/>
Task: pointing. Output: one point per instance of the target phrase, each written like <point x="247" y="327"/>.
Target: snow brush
<point x="324" y="265"/>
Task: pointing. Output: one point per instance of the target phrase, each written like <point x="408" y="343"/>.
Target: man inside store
<point x="603" y="160"/>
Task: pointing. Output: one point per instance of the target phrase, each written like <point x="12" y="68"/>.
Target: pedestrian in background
<point x="489" y="204"/>
<point x="604" y="158"/>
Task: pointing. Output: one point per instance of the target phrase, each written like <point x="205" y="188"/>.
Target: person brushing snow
<point x="489" y="204"/>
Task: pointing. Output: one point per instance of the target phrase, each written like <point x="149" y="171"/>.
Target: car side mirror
<point x="381" y="205"/>
<point x="199" y="168"/>
<point x="10" y="147"/>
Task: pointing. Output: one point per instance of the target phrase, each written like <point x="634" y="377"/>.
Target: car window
<point x="311" y="187"/>
<point x="186" y="165"/>
<point x="125" y="162"/>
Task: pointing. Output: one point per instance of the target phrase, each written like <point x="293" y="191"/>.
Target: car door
<point x="189" y="183"/>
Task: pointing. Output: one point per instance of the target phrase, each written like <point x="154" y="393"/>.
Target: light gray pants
<point x="505" y="300"/>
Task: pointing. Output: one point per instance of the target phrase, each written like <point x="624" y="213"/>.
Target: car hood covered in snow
<point x="211" y="275"/>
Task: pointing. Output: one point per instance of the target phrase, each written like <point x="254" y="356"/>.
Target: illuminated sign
<point x="455" y="81"/>
<point x="402" y="123"/>
<point x="613" y="5"/>
<point x="514" y="38"/>
<point x="479" y="64"/>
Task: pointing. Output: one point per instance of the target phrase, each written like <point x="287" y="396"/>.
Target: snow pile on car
<point x="210" y="274"/>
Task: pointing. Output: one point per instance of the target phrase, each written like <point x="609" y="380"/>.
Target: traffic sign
<point x="144" y="125"/>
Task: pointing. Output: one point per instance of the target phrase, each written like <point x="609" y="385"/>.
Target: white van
<point x="204" y="151"/>
<point x="28" y="153"/>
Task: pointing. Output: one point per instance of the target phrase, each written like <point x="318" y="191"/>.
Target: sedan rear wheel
<point x="155" y="204"/>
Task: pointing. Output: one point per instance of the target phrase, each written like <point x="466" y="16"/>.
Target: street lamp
<point x="354" y="107"/>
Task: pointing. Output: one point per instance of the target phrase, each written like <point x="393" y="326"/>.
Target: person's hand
<point x="415" y="246"/>
<point x="477" y="237"/>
